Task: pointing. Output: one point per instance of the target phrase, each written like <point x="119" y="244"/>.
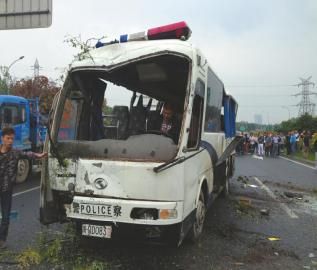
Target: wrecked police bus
<point x="118" y="166"/>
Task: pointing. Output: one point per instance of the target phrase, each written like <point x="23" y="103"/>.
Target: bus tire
<point x="226" y="187"/>
<point x="200" y="216"/>
<point x="24" y="170"/>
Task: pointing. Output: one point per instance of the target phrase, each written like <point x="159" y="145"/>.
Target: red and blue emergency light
<point x="178" y="30"/>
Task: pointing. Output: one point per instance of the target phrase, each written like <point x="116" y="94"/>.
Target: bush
<point x="314" y="142"/>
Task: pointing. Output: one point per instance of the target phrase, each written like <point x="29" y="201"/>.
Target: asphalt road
<point x="236" y="234"/>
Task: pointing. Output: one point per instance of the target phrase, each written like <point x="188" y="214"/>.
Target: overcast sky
<point x="258" y="48"/>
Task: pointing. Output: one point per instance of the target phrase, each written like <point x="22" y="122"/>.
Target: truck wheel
<point x="24" y="168"/>
<point x="197" y="229"/>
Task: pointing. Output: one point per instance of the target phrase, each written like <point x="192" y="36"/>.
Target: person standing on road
<point x="260" y="145"/>
<point x="268" y="145"/>
<point x="246" y="143"/>
<point x="253" y="143"/>
<point x="306" y="144"/>
<point x="8" y="171"/>
<point x="275" y="141"/>
<point x="288" y="143"/>
<point x="293" y="143"/>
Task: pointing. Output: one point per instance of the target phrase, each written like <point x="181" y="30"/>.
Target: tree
<point x="83" y="47"/>
<point x="3" y="86"/>
<point x="40" y="87"/>
<point x="3" y="80"/>
<point x="304" y="122"/>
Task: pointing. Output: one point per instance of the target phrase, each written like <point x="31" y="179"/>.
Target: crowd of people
<point x="271" y="144"/>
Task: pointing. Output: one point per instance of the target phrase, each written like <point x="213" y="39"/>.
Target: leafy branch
<point x="84" y="46"/>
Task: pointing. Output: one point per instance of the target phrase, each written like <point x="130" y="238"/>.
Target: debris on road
<point x="289" y="194"/>
<point x="257" y="157"/>
<point x="274" y="238"/>
<point x="311" y="255"/>
<point x="244" y="205"/>
<point x="244" y="180"/>
<point x="244" y="201"/>
<point x="265" y="212"/>
<point x="239" y="263"/>
<point x="253" y="186"/>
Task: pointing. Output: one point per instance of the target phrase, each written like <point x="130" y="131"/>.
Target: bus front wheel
<point x="200" y="216"/>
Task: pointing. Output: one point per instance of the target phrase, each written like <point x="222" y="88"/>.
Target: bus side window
<point x="197" y="116"/>
<point x="7" y="116"/>
<point x="213" y="104"/>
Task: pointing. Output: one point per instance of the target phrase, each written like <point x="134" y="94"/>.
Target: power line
<point x="261" y="95"/>
<point x="263" y="85"/>
<point x="262" y="106"/>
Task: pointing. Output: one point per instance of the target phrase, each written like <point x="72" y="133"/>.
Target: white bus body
<point x="119" y="176"/>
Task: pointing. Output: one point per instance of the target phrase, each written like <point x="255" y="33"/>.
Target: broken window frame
<point x="197" y="101"/>
<point x="71" y="84"/>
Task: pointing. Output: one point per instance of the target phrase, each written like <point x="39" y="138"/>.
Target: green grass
<point x="60" y="249"/>
<point x="311" y="156"/>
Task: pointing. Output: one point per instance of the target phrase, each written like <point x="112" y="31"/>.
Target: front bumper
<point x="121" y="211"/>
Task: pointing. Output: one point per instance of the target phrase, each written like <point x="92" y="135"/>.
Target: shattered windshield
<point x="134" y="112"/>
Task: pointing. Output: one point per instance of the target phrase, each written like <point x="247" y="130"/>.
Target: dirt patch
<point x="288" y="186"/>
<point x="263" y="251"/>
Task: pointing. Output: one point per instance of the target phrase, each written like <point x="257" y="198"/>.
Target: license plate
<point x="96" y="230"/>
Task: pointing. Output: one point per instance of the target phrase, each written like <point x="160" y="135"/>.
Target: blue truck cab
<point x="23" y="115"/>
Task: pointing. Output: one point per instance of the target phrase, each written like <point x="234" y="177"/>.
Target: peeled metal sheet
<point x="25" y="14"/>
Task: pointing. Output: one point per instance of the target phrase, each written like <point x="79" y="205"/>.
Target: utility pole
<point x="36" y="69"/>
<point x="36" y="73"/>
<point x="306" y="106"/>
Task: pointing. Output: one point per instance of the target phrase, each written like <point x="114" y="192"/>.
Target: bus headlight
<point x="167" y="213"/>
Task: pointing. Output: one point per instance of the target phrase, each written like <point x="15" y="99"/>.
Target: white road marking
<point x="288" y="211"/>
<point x="25" y="191"/>
<point x="299" y="163"/>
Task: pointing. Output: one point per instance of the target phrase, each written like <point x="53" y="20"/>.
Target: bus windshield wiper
<point x="168" y="164"/>
<point x="174" y="162"/>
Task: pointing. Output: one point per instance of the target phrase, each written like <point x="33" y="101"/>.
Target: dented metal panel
<point x="128" y="180"/>
<point x="148" y="147"/>
<point x="121" y="53"/>
<point x="108" y="178"/>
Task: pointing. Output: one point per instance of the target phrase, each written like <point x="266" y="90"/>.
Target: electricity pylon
<point x="306" y="106"/>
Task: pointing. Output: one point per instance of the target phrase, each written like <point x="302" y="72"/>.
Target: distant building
<point x="258" y="119"/>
